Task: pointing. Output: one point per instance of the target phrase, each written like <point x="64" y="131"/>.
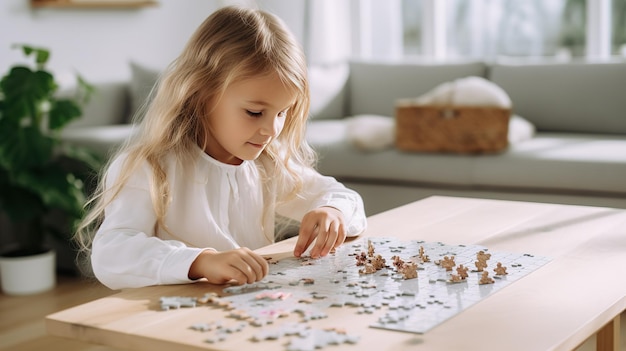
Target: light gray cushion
<point x="142" y="81"/>
<point x="107" y="105"/>
<point x="561" y="162"/>
<point x="567" y="97"/>
<point x="327" y="84"/>
<point x="339" y="158"/>
<point x="375" y="87"/>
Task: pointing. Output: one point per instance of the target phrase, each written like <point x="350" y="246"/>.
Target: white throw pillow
<point x="370" y="132"/>
<point x="520" y="129"/>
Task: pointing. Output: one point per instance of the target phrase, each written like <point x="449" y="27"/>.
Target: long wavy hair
<point x="231" y="45"/>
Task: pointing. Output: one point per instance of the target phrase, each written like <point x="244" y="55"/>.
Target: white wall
<point x="99" y="43"/>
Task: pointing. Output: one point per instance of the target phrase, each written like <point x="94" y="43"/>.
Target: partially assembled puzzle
<point x="416" y="284"/>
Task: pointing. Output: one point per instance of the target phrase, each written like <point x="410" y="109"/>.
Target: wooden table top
<point x="556" y="307"/>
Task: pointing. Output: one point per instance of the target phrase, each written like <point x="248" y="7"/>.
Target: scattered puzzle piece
<point x="204" y="327"/>
<point x="409" y="270"/>
<point x="461" y="270"/>
<point x="368" y="269"/>
<point x="448" y="263"/>
<point x="176" y="302"/>
<point x="319" y="338"/>
<point x="500" y="269"/>
<point x="485" y="279"/>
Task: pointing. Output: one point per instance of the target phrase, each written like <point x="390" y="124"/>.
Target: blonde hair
<point x="231" y="45"/>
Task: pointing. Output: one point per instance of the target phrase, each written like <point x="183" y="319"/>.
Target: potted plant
<point x="41" y="179"/>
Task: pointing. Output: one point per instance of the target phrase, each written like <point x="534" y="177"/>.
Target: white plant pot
<point x="29" y="274"/>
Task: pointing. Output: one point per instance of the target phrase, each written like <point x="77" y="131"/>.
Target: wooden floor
<point x="22" y="318"/>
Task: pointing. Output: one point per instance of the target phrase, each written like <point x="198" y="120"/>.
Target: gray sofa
<point x="577" y="155"/>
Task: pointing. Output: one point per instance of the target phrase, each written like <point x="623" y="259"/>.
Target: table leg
<point x="607" y="338"/>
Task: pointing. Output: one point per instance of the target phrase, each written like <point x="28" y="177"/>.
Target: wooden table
<point x="582" y="291"/>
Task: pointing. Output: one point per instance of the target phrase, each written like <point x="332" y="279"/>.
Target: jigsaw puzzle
<point x="417" y="285"/>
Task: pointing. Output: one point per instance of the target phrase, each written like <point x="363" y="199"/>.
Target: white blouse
<point x="213" y="205"/>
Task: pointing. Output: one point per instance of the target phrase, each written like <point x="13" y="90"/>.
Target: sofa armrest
<point x="103" y="140"/>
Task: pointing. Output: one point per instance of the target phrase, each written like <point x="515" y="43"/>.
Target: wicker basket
<point x="458" y="129"/>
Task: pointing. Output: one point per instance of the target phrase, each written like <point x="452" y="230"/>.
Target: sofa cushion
<point x="327" y="84"/>
<point x="338" y="157"/>
<point x="142" y="80"/>
<point x="373" y="88"/>
<point x="107" y="105"/>
<point x="561" y="162"/>
<point x="567" y="97"/>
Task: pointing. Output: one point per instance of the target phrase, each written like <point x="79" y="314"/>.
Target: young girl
<point x="219" y="160"/>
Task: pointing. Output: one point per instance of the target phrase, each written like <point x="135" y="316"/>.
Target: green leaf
<point x="41" y="55"/>
<point x="85" y="90"/>
<point x="14" y="111"/>
<point x="27" y="50"/>
<point x="25" y="92"/>
<point x="24" y="147"/>
<point x="56" y="188"/>
<point x="22" y="81"/>
<point x="62" y="112"/>
<point x="19" y="95"/>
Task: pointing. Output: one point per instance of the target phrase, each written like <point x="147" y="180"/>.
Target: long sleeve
<point x="125" y="252"/>
<point x="321" y="191"/>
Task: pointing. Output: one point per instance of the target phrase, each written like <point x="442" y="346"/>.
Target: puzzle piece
<point x="318" y="338"/>
<point x="287" y="329"/>
<point x="204" y="327"/>
<point x="176" y="302"/>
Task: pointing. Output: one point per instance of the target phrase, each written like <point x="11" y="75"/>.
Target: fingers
<point x="240" y="265"/>
<point x="261" y="267"/>
<point x="341" y="238"/>
<point x="248" y="267"/>
<point x="325" y="226"/>
<point x="308" y="232"/>
<point x="328" y="239"/>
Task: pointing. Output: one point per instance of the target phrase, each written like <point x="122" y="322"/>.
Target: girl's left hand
<point x="324" y="223"/>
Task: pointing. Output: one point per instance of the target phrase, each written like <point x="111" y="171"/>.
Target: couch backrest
<point x="108" y="105"/>
<point x="373" y="88"/>
<point x="567" y="97"/>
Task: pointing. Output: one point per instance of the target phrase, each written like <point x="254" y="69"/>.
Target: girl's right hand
<point x="239" y="265"/>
